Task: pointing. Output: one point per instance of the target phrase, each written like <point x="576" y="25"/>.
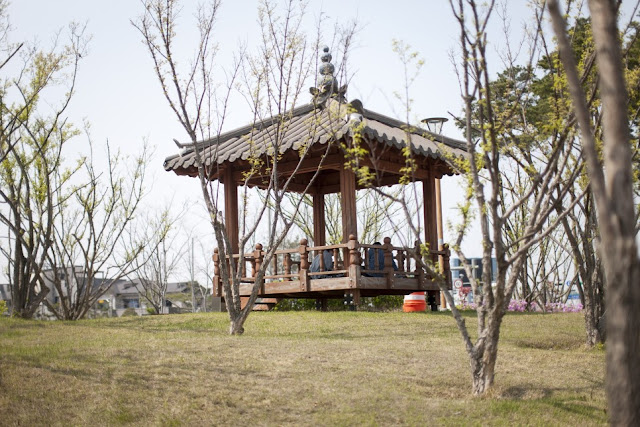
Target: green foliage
<point x="410" y="166"/>
<point x="355" y="152"/>
<point x="379" y="303"/>
<point x="295" y="304"/>
<point x="3" y="307"/>
<point x="129" y="312"/>
<point x="32" y="136"/>
<point x="384" y="302"/>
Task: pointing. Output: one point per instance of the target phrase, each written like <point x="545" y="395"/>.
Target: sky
<point x="117" y="92"/>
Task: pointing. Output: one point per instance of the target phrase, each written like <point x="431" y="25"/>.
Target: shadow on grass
<point x="547" y="343"/>
<point x="69" y="362"/>
<point x="562" y="409"/>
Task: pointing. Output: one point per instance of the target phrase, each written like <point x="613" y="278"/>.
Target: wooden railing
<point x="294" y="264"/>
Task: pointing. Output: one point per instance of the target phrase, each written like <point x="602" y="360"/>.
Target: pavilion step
<point x="262" y="304"/>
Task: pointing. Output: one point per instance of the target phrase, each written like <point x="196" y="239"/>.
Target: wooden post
<point x="319" y="224"/>
<point x="319" y="237"/>
<point x="430" y="217"/>
<point x="231" y="209"/>
<point x="419" y="269"/>
<point x="217" y="285"/>
<point x="321" y="259"/>
<point x="443" y="300"/>
<point x="252" y="260"/>
<point x="430" y="212"/>
<point x="356" y="298"/>
<point x="258" y="257"/>
<point x="354" y="262"/>
<point x="287" y="265"/>
<point x="274" y="265"/>
<point x="388" y="262"/>
<point x="348" y="204"/>
<point x="304" y="265"/>
<point x="401" y="259"/>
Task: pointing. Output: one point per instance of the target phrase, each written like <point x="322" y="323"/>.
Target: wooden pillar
<point x="304" y="265"/>
<point x="430" y="211"/>
<point x="354" y="261"/>
<point x="349" y="213"/>
<point x="231" y="208"/>
<point x="443" y="301"/>
<point x="430" y="219"/>
<point x="440" y="232"/>
<point x="348" y="203"/>
<point x="319" y="223"/>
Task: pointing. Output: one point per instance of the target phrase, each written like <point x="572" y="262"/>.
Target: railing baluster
<point x="400" y="257"/>
<point x="320" y="254"/>
<point x="304" y="265"/>
<point x="287" y="265"/>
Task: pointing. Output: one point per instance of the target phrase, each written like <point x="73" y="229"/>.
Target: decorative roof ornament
<point x="328" y="87"/>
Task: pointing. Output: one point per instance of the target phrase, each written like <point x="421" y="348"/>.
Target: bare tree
<point x="158" y="262"/>
<point x="541" y="93"/>
<point x="546" y="166"/>
<point x="95" y="238"/>
<point x="32" y="135"/>
<point x="492" y="149"/>
<point x="272" y="82"/>
<point x="611" y="181"/>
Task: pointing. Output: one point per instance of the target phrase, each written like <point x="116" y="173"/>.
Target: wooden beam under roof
<point x="307" y="165"/>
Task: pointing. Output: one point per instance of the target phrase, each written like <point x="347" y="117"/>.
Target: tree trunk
<point x="623" y="336"/>
<point x="483" y="360"/>
<point x="483" y="368"/>
<point x="594" y="307"/>
<point x="236" y="326"/>
<point x="614" y="202"/>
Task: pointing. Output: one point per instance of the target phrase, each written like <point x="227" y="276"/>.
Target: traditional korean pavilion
<point x="327" y="129"/>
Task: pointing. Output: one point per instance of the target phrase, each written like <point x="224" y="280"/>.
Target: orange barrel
<point x="415" y="301"/>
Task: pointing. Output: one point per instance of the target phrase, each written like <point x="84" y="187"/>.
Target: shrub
<point x="522" y="306"/>
<point x="384" y="302"/>
<point x="129" y="312"/>
<point x="3" y="307"/>
<point x="295" y="304"/>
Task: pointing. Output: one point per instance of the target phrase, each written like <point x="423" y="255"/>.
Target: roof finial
<point x="328" y="87"/>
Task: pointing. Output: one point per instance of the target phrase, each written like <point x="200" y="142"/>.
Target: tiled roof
<point x="310" y="124"/>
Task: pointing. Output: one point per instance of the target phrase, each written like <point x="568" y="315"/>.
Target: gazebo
<point x="328" y="128"/>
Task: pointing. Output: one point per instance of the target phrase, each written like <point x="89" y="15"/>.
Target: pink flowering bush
<point x="517" y="305"/>
<point x="521" y="306"/>
<point x="465" y="305"/>
<point x="557" y="307"/>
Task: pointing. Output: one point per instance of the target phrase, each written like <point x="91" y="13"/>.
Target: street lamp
<point x="434" y="124"/>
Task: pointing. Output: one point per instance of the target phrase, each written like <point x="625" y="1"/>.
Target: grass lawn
<point x="305" y="368"/>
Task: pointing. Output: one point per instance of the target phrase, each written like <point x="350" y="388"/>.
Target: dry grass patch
<point x="293" y="368"/>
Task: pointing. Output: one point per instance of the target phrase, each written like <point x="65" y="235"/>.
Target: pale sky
<point x="118" y="94"/>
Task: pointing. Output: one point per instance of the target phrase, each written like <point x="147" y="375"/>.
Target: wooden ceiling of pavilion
<point x="326" y="128"/>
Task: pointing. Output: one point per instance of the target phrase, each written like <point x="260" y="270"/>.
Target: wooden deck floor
<point x="336" y="287"/>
